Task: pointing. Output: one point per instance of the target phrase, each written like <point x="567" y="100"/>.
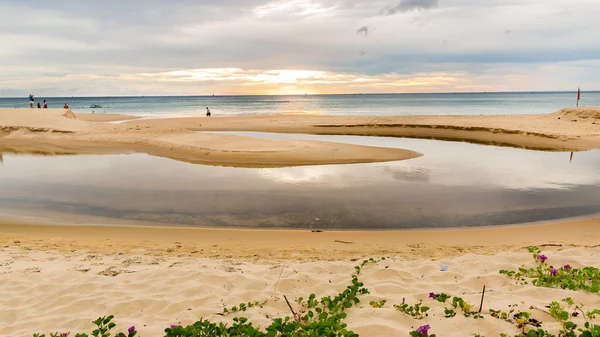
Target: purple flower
<point x="553" y="272"/>
<point x="131" y="329"/>
<point x="173" y="326"/>
<point x="424" y="329"/>
<point x="543" y="258"/>
<point x="431" y="295"/>
<point x="567" y="267"/>
<point x="64" y="334"/>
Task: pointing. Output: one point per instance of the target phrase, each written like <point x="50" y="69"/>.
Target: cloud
<point x="410" y="5"/>
<point x="363" y="30"/>
<point x="299" y="8"/>
<point x="95" y="47"/>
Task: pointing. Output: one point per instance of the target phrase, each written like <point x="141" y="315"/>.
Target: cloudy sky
<point x="199" y="47"/>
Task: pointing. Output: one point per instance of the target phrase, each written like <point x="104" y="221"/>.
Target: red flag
<point x="578" y="94"/>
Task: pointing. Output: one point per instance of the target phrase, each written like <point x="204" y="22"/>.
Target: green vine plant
<point x="104" y="325"/>
<point x="378" y="304"/>
<point x="326" y="317"/>
<point x="527" y="325"/>
<point x="456" y="303"/>
<point x="521" y="319"/>
<point x="565" y="277"/>
<point x="417" y="310"/>
<point x="242" y="307"/>
<point x="563" y="314"/>
<point x="316" y="318"/>
<point x="530" y="327"/>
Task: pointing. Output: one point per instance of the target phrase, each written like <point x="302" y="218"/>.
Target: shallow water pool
<point x="452" y="185"/>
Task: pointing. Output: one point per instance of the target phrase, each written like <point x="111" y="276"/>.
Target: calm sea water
<point x="372" y="104"/>
<point x="452" y="185"/>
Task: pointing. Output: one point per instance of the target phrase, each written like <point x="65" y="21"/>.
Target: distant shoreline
<point x="332" y="94"/>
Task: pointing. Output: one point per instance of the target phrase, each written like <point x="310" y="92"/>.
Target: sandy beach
<point x="53" y="131"/>
<point x="104" y="117"/>
<point x="570" y="129"/>
<point x="60" y="278"/>
<point x="299" y="168"/>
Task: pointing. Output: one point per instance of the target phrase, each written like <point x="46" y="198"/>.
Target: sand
<point x="59" y="278"/>
<point x="571" y="129"/>
<point x="129" y="236"/>
<point x="104" y="117"/>
<point x="54" y="131"/>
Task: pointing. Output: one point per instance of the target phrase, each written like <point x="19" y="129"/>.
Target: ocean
<point x="355" y="104"/>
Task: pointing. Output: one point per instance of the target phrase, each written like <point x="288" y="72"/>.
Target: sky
<point x="231" y="47"/>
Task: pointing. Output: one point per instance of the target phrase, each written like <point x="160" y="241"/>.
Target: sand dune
<point x="591" y="113"/>
<point x="56" y="291"/>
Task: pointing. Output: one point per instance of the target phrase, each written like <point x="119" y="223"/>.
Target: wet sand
<point x="104" y="117"/>
<point x="54" y="131"/>
<point x="294" y="244"/>
<point x="570" y="129"/>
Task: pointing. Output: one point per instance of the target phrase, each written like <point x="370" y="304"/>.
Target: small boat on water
<point x="95" y="106"/>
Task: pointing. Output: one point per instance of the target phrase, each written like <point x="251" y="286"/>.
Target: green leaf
<point x="563" y="316"/>
<point x="107" y="319"/>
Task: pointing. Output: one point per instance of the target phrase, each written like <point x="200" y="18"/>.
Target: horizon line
<point x="338" y="94"/>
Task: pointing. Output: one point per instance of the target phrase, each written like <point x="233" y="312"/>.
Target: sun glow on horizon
<point x="309" y="82"/>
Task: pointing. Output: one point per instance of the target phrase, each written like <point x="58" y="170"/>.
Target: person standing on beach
<point x="39" y="105"/>
<point x="45" y="105"/>
<point x="66" y="106"/>
<point x="207" y="112"/>
<point x="31" y="101"/>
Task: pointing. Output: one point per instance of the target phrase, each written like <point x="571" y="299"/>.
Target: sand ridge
<point x="54" y="131"/>
<point x="49" y="131"/>
<point x="570" y="129"/>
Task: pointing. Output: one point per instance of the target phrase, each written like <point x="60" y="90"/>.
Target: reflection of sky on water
<point x="453" y="184"/>
<point x="453" y="163"/>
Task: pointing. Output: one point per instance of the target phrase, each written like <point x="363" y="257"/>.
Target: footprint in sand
<point x="110" y="272"/>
